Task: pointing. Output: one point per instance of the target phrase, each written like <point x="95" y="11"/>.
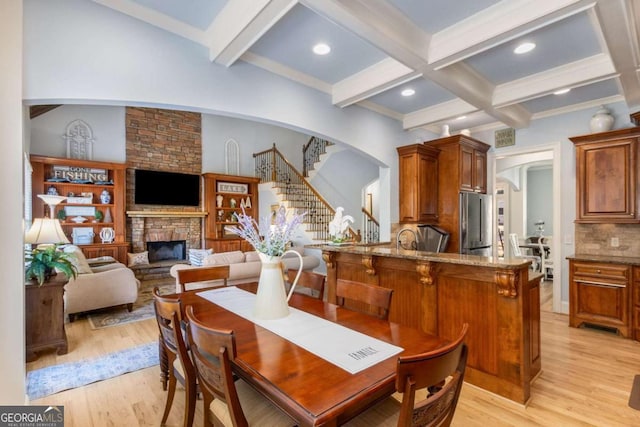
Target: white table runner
<point x="350" y="350"/>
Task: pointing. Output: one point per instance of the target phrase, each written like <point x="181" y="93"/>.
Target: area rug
<point x="142" y="308"/>
<point x="57" y="378"/>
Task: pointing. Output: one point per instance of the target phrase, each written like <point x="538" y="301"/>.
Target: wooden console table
<point x="45" y="316"/>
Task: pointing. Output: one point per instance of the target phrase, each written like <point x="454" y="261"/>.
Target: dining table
<point x="310" y="389"/>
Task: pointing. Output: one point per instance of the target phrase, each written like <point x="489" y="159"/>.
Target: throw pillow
<point x="225" y="258"/>
<point x="78" y="259"/>
<point x="141" y="258"/>
<point x="197" y="256"/>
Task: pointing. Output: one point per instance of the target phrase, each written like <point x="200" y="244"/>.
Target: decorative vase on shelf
<point x="602" y="121"/>
<point x="107" y="215"/>
<point x="271" y="300"/>
<point x="105" y="197"/>
<point x="445" y="131"/>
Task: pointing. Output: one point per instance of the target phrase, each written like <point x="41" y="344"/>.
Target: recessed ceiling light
<point x="461" y="117"/>
<point x="321" y="49"/>
<point x="524" y="48"/>
<point x="408" y="92"/>
<point x="562" y="91"/>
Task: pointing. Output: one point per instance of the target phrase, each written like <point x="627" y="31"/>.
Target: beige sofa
<point x="99" y="287"/>
<point x="243" y="267"/>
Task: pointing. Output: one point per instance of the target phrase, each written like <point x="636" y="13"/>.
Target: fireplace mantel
<point x="166" y="214"/>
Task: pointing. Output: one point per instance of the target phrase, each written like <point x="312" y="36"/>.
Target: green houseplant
<point x="42" y="263"/>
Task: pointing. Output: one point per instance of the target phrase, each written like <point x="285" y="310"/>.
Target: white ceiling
<point x="456" y="55"/>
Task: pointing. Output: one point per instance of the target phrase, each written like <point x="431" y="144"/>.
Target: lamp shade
<point x="45" y="230"/>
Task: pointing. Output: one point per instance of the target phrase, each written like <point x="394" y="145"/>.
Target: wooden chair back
<point x="170" y="325"/>
<point x="202" y="274"/>
<point x="441" y="372"/>
<point x="212" y="351"/>
<point x="310" y="280"/>
<point x="369" y="299"/>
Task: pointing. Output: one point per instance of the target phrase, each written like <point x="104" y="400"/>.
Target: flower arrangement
<point x="271" y="240"/>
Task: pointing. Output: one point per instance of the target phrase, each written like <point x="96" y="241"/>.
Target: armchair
<point x="99" y="287"/>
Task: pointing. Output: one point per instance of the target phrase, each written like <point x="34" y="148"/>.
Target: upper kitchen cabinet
<point x="607" y="177"/>
<point x="418" y="169"/>
<point x="463" y="161"/>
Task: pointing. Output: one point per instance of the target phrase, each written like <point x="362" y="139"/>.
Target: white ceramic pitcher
<point x="271" y="300"/>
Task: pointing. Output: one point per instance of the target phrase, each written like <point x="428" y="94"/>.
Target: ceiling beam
<point x="619" y="20"/>
<point x="496" y="25"/>
<point x="240" y="24"/>
<point x="444" y="111"/>
<point x="371" y="81"/>
<point x="579" y="73"/>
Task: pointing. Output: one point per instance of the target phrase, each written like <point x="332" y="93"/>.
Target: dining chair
<point x="226" y="402"/>
<point x="546" y="256"/>
<point x="203" y="274"/>
<point x="179" y="364"/>
<point x="311" y="281"/>
<point x="517" y="252"/>
<point x="435" y="378"/>
<point x="369" y="299"/>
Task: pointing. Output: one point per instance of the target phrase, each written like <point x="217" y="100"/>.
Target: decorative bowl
<point x="78" y="219"/>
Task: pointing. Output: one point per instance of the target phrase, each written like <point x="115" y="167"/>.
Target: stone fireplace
<point x="163" y="140"/>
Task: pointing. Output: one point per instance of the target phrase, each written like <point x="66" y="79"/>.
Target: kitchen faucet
<point x="414" y="244"/>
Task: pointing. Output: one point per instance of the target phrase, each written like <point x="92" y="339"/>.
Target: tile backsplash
<point x="595" y="239"/>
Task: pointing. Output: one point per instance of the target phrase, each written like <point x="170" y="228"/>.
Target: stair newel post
<point x="273" y="164"/>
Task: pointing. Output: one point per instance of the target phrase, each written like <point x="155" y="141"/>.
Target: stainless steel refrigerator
<point x="475" y="224"/>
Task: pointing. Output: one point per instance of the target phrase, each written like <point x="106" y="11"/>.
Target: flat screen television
<point x="166" y="188"/>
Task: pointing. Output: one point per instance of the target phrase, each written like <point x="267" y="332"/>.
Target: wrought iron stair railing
<point x="371" y="227"/>
<point x="271" y="166"/>
<point x="311" y="153"/>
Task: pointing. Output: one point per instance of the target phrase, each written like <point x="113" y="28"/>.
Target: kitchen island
<point x="439" y="292"/>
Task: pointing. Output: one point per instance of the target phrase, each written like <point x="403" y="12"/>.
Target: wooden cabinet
<point x="607" y="177"/>
<point x="418" y="169"/>
<point x="599" y="294"/>
<point x="462" y="166"/>
<point x="84" y="180"/>
<point x="466" y="163"/>
<point x="224" y="197"/>
<point x="44" y="317"/>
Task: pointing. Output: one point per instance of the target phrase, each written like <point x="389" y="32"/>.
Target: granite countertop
<point x="392" y="252"/>
<point x="630" y="260"/>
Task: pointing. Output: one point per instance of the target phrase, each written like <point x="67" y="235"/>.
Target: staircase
<point x="293" y="188"/>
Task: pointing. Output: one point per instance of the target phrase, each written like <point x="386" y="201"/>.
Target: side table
<point x="44" y="312"/>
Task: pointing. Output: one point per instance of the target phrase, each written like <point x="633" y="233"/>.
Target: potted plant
<point x="42" y="263"/>
<point x="98" y="216"/>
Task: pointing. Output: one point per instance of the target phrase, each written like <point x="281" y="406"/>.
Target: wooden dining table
<point x="313" y="391"/>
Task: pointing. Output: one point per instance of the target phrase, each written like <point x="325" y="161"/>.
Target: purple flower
<point x="269" y="239"/>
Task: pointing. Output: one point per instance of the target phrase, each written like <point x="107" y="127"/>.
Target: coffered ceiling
<point x="457" y="56"/>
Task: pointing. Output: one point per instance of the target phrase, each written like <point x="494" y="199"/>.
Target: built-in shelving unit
<point x="84" y="180"/>
<point x="225" y="197"/>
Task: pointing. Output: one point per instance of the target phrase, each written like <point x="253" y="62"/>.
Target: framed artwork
<point x="232" y="187"/>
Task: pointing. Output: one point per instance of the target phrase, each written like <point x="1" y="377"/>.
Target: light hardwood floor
<point x="585" y="381"/>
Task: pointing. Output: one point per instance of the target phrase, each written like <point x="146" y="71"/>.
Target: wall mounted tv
<point x="166" y="188"/>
